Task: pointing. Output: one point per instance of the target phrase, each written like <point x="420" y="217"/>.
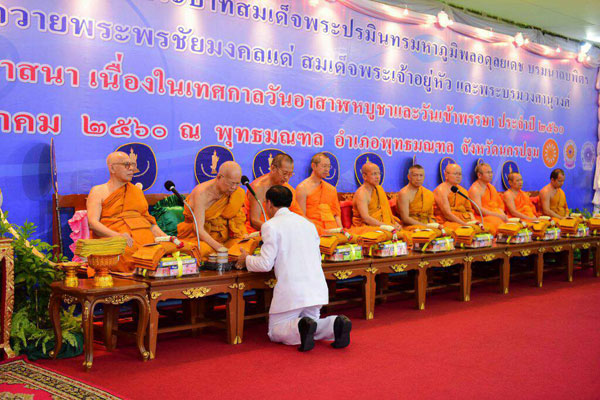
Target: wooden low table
<point x="193" y="287"/>
<point x="496" y="253"/>
<point x="411" y="261"/>
<point x="89" y="296"/>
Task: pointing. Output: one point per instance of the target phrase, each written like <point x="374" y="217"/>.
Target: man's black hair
<point x="279" y="196"/>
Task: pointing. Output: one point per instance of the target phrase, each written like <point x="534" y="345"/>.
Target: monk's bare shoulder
<point x="509" y="195"/>
<point x="545" y="191"/>
<point x="303" y="187"/>
<point x="99" y="193"/>
<point x="405" y="192"/>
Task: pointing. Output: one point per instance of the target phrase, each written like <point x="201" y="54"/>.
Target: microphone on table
<point x="246" y="182"/>
<point x="456" y="190"/>
<point x="170" y="186"/>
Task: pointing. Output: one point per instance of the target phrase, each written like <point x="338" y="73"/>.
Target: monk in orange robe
<point x="119" y="208"/>
<point x="517" y="202"/>
<point x="370" y="206"/>
<point x="451" y="209"/>
<point x="281" y="170"/>
<point x="552" y="197"/>
<point x="485" y="195"/>
<point x="415" y="202"/>
<point x="218" y="208"/>
<point x="318" y="199"/>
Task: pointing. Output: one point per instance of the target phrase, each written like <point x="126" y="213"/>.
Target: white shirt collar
<point x="282" y="211"/>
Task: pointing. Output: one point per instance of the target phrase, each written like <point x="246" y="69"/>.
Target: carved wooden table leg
<point x="504" y="275"/>
<point x="144" y="309"/>
<point x="153" y="328"/>
<point x="539" y="268"/>
<point x="421" y="287"/>
<point x="465" y="281"/>
<point x="240" y="312"/>
<point x="54" y="310"/>
<point x="231" y="317"/>
<point x="371" y="287"/>
<point x="568" y="256"/>
<point x="88" y="333"/>
<point x="111" y="316"/>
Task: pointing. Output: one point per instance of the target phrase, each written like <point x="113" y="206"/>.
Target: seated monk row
<point x="226" y="214"/>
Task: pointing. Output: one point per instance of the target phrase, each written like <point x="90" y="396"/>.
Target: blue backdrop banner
<point x="184" y="85"/>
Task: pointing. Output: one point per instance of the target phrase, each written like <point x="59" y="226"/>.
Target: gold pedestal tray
<point x="70" y="269"/>
<point x="101" y="265"/>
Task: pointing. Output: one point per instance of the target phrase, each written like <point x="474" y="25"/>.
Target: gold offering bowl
<point x="70" y="269"/>
<point x="102" y="264"/>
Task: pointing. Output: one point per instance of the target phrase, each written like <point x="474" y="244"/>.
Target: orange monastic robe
<point x="379" y="208"/>
<point x="126" y="211"/>
<point x="224" y="221"/>
<point x="491" y="201"/>
<point x="558" y="203"/>
<point x="523" y="205"/>
<point x="294" y="207"/>
<point x="322" y="206"/>
<point x="421" y="208"/>
<point x="460" y="207"/>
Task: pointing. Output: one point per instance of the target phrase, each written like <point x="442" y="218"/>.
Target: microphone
<point x="246" y="182"/>
<point x="170" y="186"/>
<point x="455" y="189"/>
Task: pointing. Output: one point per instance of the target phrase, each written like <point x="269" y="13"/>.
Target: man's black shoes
<point x="341" y="329"/>
<point x="307" y="328"/>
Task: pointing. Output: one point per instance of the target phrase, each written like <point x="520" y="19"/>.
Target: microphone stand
<point x="468" y="198"/>
<point x="478" y="209"/>
<point x="170" y="186"/>
<point x="195" y="222"/>
<point x="261" y="208"/>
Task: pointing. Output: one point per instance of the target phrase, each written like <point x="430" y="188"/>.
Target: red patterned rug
<point x="20" y="379"/>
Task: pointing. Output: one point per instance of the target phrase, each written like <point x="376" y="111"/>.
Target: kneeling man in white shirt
<point x="291" y="246"/>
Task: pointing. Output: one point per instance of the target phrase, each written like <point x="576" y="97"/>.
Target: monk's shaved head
<point x="317" y="158"/>
<point x="453" y="174"/>
<point x="229" y="177"/>
<point x="369" y="167"/>
<point x="479" y="169"/>
<point x="116" y="157"/>
<point x="452" y="168"/>
<point x="230" y="168"/>
<point x="513" y="175"/>
<point x="280" y="158"/>
<point x="371" y="174"/>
